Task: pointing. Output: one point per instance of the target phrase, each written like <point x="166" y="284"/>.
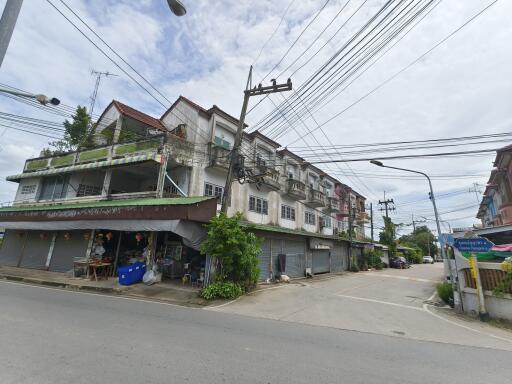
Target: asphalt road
<point x="390" y="302"/>
<point x="53" y="336"/>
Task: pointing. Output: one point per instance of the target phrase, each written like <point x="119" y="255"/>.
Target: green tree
<point x="422" y="238"/>
<point x="234" y="251"/>
<point x="388" y="235"/>
<point x="76" y="132"/>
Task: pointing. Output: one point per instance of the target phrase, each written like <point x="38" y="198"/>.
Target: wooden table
<point x="93" y="266"/>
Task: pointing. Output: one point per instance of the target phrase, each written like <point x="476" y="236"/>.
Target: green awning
<point x="80" y="167"/>
<point x="108" y="204"/>
<point x="274" y="228"/>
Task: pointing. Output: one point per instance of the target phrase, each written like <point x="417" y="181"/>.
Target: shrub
<point x="373" y="258"/>
<point x="234" y="251"/>
<point x="221" y="291"/>
<point x="445" y="292"/>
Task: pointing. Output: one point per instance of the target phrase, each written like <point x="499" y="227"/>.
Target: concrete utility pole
<point x="234" y="156"/>
<point x="388" y="205"/>
<point x="371" y="220"/>
<point x="7" y="23"/>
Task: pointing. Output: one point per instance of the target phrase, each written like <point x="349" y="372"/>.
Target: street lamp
<point x="43" y="99"/>
<point x="443" y="252"/>
<point x="177" y="7"/>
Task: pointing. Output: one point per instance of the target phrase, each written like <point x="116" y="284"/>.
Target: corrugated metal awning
<point x="79" y="167"/>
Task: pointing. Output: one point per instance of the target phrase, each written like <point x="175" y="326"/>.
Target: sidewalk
<point x="163" y="292"/>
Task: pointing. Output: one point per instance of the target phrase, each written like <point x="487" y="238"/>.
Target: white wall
<point x="30" y="197"/>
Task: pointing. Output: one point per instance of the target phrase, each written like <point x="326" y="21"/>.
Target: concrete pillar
<point x="161" y="176"/>
<point x="50" y="251"/>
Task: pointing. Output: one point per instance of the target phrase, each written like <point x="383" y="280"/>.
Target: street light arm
<point x="436" y="214"/>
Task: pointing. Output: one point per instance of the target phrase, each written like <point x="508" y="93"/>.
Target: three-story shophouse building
<point x="145" y="187"/>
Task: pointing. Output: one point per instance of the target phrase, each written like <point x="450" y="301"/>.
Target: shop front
<point x="113" y="234"/>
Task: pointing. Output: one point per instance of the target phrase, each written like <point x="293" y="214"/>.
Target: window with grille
<point x="287" y="212"/>
<point x="28" y="189"/>
<point x="309" y="218"/>
<point x="87" y="190"/>
<point x="259" y="205"/>
<point x="214" y="190"/>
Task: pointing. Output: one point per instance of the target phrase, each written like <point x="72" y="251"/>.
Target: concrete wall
<point x="27" y="197"/>
<point x="498" y="308"/>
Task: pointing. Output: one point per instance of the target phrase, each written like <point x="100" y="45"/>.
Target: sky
<point x="461" y="88"/>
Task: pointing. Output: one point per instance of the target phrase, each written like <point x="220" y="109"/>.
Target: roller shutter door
<point x="339" y="258"/>
<point x="321" y="260"/>
<point x="66" y="251"/>
<point x="264" y="260"/>
<point x="10" y="250"/>
<point x="36" y="250"/>
<point x="295" y="257"/>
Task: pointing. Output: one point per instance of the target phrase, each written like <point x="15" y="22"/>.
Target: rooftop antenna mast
<point x="96" y="86"/>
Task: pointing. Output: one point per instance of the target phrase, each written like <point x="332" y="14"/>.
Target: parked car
<point x="398" y="262"/>
<point x="428" y="260"/>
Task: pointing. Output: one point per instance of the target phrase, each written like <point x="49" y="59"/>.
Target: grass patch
<point x="36" y="164"/>
<point x="62" y="160"/>
<point x="137" y="147"/>
<point x="95" y="154"/>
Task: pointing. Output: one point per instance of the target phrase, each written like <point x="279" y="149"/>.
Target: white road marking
<point x="426" y="309"/>
<point x="401" y="277"/>
<point x="381" y="302"/>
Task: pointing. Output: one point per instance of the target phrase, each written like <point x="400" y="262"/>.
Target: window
<point x="87" y="190"/>
<point x="259" y="205"/>
<point x="326" y="222"/>
<point x="309" y="218"/>
<point x="28" y="189"/>
<point x="287" y="212"/>
<point x="54" y="187"/>
<point x="221" y="142"/>
<point x="214" y="190"/>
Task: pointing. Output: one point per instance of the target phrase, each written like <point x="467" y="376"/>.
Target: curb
<point x="56" y="284"/>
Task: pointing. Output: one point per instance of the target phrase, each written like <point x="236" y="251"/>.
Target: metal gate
<point x="264" y="260"/>
<point x="11" y="247"/>
<point x="321" y="260"/>
<point x="66" y="251"/>
<point x="295" y="257"/>
<point x="339" y="258"/>
<point x="35" y="253"/>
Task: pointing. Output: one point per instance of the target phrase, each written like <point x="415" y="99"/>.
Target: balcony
<point x="333" y="204"/>
<point x="218" y="156"/>
<point x="315" y="198"/>
<point x="97" y="156"/>
<point x="344" y="211"/>
<point x="268" y="175"/>
<point x="270" y="179"/>
<point x="296" y="189"/>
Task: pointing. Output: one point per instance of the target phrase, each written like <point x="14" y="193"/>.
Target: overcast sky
<point x="462" y="88"/>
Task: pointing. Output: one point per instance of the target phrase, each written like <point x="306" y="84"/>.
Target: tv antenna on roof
<point x="96" y="86"/>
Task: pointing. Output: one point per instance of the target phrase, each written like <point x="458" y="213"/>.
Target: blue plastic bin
<point x="131" y="274"/>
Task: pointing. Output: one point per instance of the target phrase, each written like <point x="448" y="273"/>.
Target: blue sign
<point x="473" y="245"/>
